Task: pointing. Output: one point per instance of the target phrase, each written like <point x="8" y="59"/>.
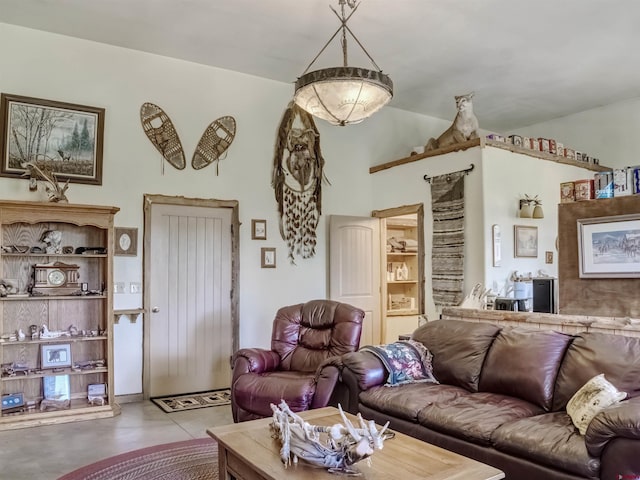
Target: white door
<point x="190" y="338"/>
<point x="354" y="265"/>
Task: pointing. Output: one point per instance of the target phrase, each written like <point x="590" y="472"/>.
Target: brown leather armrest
<point x="366" y="368"/>
<point x="254" y="360"/>
<point x="620" y="420"/>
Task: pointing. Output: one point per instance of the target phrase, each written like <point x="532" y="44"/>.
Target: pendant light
<point x="343" y="95"/>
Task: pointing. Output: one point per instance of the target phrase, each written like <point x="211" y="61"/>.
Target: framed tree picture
<point x="525" y="241"/>
<point x="63" y="138"/>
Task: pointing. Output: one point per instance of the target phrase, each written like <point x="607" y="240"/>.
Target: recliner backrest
<point x="305" y="335"/>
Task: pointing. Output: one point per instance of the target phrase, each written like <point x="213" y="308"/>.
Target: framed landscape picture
<point x="609" y="247"/>
<point x="64" y="138"/>
<point x="525" y="241"/>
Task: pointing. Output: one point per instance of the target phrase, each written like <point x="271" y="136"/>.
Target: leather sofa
<point x="502" y="396"/>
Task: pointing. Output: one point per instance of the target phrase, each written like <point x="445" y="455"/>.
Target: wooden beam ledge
<point x="132" y="314"/>
<point x="485" y="142"/>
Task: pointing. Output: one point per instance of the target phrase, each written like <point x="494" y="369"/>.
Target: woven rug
<point x="447" y="256"/>
<point x="188" y="460"/>
<point x="191" y="401"/>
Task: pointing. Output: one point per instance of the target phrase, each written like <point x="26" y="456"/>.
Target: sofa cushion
<point x="548" y="439"/>
<point x="524" y="363"/>
<point x="590" y="354"/>
<point x="407" y="400"/>
<point x="407" y="361"/>
<point x="475" y="416"/>
<point x="459" y="349"/>
<point x="594" y="396"/>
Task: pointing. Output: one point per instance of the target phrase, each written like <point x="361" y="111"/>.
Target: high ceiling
<point x="526" y="61"/>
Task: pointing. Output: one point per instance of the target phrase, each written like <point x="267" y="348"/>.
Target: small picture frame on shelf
<point x="268" y="257"/>
<point x="96" y="393"/>
<point x="57" y="392"/>
<point x="125" y="241"/>
<point x="55" y="356"/>
<point x="258" y="229"/>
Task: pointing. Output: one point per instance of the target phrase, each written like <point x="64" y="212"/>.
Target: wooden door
<point x="190" y="291"/>
<point x="354" y="257"/>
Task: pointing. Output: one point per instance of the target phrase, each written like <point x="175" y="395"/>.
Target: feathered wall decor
<point x="297" y="181"/>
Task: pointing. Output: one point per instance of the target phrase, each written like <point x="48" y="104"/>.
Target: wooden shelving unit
<point x="84" y="319"/>
<point x="403" y="282"/>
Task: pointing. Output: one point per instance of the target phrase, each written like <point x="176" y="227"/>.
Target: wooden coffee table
<point x="247" y="451"/>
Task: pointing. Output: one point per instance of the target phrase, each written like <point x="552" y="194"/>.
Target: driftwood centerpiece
<point x="336" y="448"/>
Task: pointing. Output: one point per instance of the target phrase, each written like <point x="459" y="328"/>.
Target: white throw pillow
<point x="594" y="396"/>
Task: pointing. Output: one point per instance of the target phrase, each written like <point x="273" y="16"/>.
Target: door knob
<point x="155" y="309"/>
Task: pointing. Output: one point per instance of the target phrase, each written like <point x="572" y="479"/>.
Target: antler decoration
<point x="343" y="446"/>
<point x="52" y="187"/>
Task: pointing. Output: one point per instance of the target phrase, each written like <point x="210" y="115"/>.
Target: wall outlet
<point x="135" y="287"/>
<point x="118" y="287"/>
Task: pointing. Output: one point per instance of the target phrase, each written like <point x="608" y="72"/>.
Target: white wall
<point x="609" y="132"/>
<point x="55" y="67"/>
<point x="508" y="177"/>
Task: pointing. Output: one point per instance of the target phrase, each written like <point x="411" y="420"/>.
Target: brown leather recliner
<point x="304" y="336"/>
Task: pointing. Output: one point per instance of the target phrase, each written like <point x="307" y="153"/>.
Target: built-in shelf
<point x="131" y="314"/>
<point x="485" y="142"/>
<point x="47" y="373"/>
<point x="61" y="339"/>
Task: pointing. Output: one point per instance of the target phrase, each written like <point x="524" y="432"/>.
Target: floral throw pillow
<point x="407" y="361"/>
<point x="594" y="396"/>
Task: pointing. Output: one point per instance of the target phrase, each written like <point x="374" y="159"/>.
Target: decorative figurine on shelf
<point x="464" y="127"/>
<point x="344" y="446"/>
<point x="33" y="330"/>
<point x="53" y="240"/>
<point x="7" y="288"/>
<point x="21" y="335"/>
<point x="54" y="190"/>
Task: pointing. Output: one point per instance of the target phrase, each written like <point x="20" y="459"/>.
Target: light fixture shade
<point x="537" y="212"/>
<point x="343" y="95"/>
<point x="525" y="210"/>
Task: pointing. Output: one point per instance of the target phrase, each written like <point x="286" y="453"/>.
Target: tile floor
<point x="46" y="453"/>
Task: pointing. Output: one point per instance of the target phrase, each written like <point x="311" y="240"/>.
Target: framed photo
<point x="268" y="257"/>
<point x="63" y="137"/>
<point x="609" y="247"/>
<point x="258" y="229"/>
<point x="55" y="356"/>
<point x="125" y="241"/>
<point x="525" y="241"/>
<point x="56" y="387"/>
<point x="496" y="238"/>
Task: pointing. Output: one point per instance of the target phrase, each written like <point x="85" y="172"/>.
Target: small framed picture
<point x="258" y="229"/>
<point x="55" y="356"/>
<point x="268" y="257"/>
<point x="525" y="241"/>
<point x="56" y="387"/>
<point x="96" y="393"/>
<point x="126" y="241"/>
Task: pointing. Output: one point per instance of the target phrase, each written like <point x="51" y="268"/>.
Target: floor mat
<point x="191" y="401"/>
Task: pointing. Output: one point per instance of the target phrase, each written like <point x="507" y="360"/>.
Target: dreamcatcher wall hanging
<point x="297" y="181"/>
<point x="213" y="144"/>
